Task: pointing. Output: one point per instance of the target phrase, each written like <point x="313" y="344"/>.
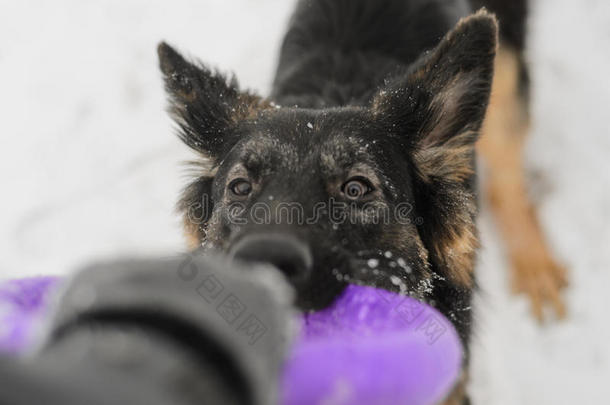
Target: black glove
<point x="189" y="330"/>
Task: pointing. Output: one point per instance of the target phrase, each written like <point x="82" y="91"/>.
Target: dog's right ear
<point x="206" y="105"/>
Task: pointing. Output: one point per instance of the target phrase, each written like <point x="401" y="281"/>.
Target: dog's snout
<point x="287" y="253"/>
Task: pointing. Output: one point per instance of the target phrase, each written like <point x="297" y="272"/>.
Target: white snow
<point x="89" y="166"/>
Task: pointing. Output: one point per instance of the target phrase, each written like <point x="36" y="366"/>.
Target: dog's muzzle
<point x="284" y="251"/>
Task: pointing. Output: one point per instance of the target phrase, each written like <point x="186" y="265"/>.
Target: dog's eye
<point x="240" y="187"/>
<point x="356" y="188"/>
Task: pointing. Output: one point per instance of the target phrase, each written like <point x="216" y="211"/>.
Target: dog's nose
<point x="284" y="251"/>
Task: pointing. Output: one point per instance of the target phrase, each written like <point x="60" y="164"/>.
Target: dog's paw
<point x="542" y="279"/>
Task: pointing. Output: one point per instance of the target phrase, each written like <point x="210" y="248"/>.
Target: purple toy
<point x="22" y="303"/>
<point x="373" y="347"/>
<point x="370" y="347"/>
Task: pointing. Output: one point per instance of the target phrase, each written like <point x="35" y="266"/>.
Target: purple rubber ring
<point x="373" y="347"/>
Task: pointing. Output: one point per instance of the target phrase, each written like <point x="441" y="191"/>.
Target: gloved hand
<point x="188" y="330"/>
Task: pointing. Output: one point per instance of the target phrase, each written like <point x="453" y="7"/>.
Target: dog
<point x="360" y="167"/>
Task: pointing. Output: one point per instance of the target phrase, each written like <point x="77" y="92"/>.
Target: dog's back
<point x="337" y="52"/>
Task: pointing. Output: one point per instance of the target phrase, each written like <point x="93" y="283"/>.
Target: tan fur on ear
<point x="451" y="161"/>
<point x="444" y="153"/>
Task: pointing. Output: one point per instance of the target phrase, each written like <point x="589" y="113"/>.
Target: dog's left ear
<point x="435" y="112"/>
<point x="206" y="105"/>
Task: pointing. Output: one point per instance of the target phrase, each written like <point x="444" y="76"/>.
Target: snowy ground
<point x="89" y="166"/>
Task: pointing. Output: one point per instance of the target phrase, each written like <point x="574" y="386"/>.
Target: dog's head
<point x="382" y="194"/>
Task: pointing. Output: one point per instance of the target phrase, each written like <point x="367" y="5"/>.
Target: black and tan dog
<point x="360" y="166"/>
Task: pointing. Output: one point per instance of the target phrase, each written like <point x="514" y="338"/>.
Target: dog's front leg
<point x="534" y="270"/>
